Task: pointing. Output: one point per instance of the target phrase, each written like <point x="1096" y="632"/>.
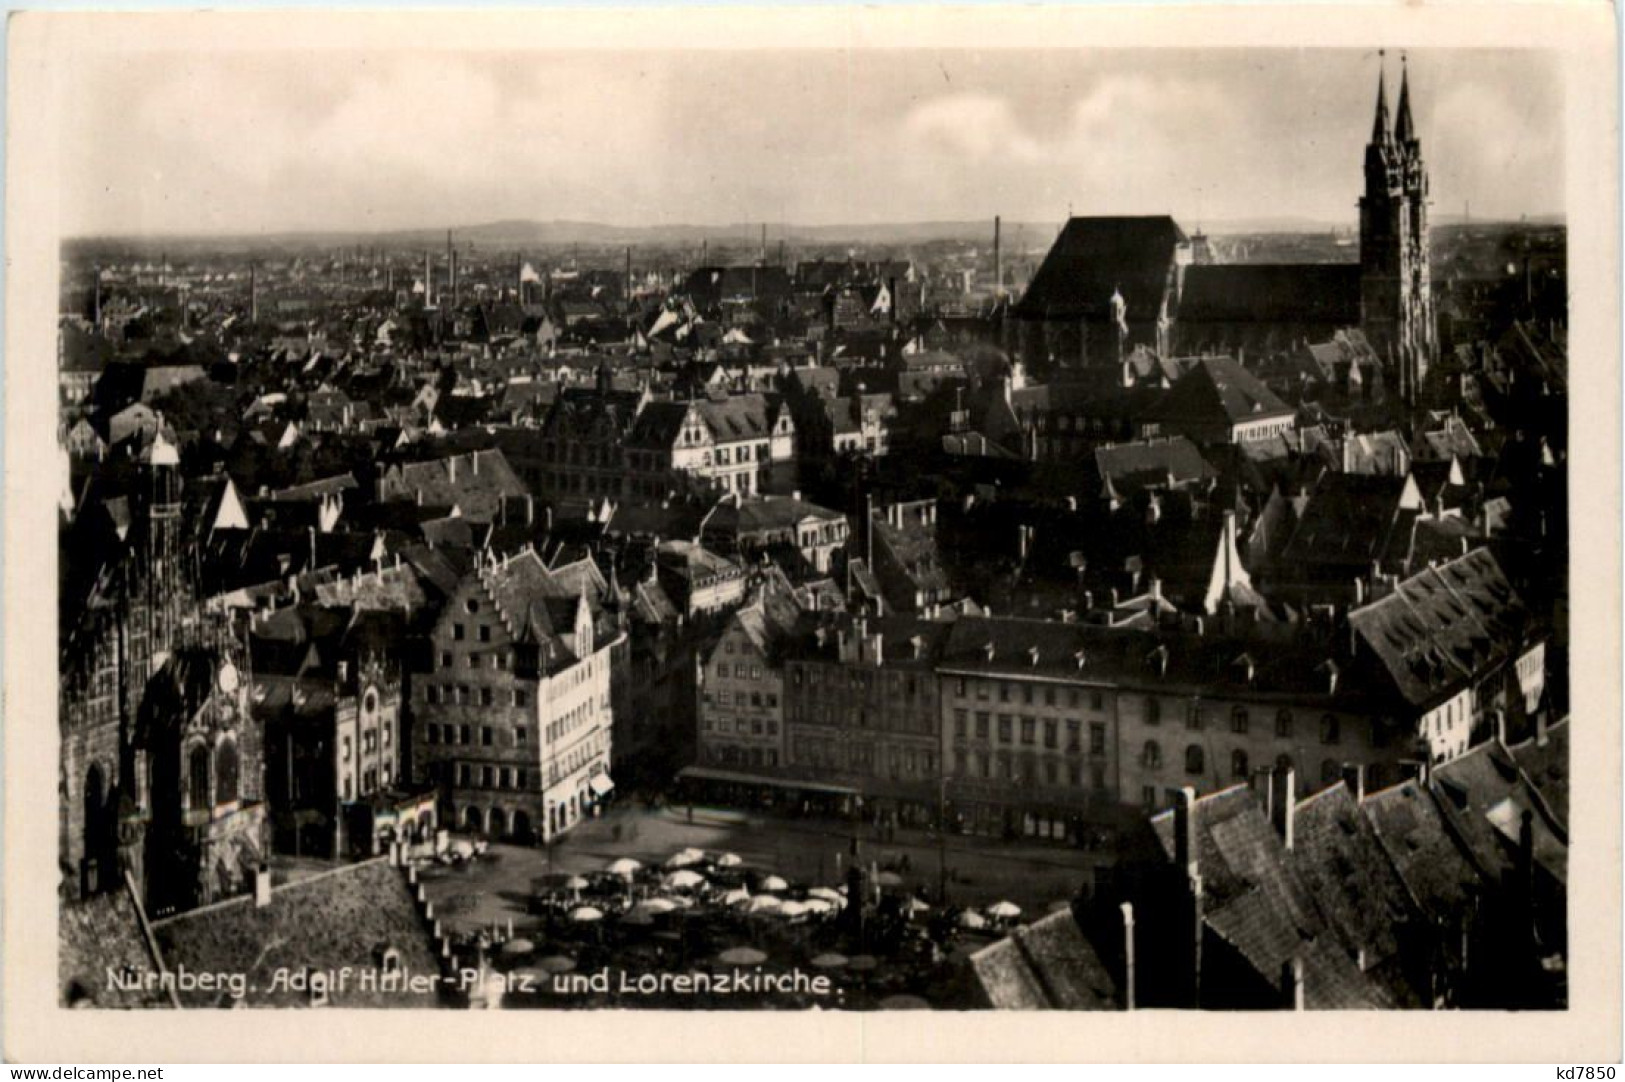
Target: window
<point x="466" y="735"/>
<point x="1097" y="738"/>
<point x="1051" y="738"/>
<point x="959" y="687"/>
<point x="485" y="696"/>
<point x="345" y="745"/>
<point x="1283" y="723"/>
<point x="1074" y="735"/>
<point x="434" y="734"/>
<point x="1151" y="754"/>
<point x="1330" y="731"/>
<point x="1153" y="711"/>
<point x="457" y="632"/>
<point x="485" y="736"/>
<point x="1004" y="693"/>
<point x="1195" y="760"/>
<point x="1005" y="723"/>
<point x="485" y="632"/>
<point x="1238" y="720"/>
<point x="521" y="697"/>
<point x="445" y="659"/>
<point x="487" y="776"/>
<point x="521" y="736"/>
<point x="1238" y="764"/>
<point x="960" y="720"/>
<point x="472" y="605"/>
<point x="432" y="693"/>
<point x="1049" y="696"/>
<point x="982" y="720"/>
<point x="1097" y="700"/>
<point x="1028" y="730"/>
<point x="473" y="661"/>
<point x="1196" y="716"/>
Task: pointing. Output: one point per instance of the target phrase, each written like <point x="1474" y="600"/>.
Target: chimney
<point x="262" y="886"/>
<point x="1354" y="778"/>
<point x="1292" y="983"/>
<point x="1285" y="804"/>
<point x="1501" y="733"/>
<point x="1128" y="955"/>
<point x="451" y="469"/>
<point x="1185" y="846"/>
<point x="998" y="264"/>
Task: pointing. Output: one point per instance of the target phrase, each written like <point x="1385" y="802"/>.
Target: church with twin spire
<point x="1111" y="284"/>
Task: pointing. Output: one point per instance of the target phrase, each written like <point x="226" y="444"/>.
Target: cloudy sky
<point x="268" y="141"/>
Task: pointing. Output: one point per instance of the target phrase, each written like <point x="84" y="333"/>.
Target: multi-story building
<point x="727" y="444"/>
<point x="512" y="721"/>
<point x="861" y="712"/>
<point x="775" y="524"/>
<point x="1455" y="652"/>
<point x="741" y="687"/>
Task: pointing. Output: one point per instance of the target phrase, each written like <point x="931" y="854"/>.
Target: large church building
<point x="1110" y="284"/>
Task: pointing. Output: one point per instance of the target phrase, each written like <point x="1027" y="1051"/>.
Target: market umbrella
<point x="1004" y="910"/>
<point x="623" y="866"/>
<point x="656" y="905"/>
<point x="792" y="909"/>
<point x="862" y="962"/>
<point x="684" y="857"/>
<point x="904" y="1003"/>
<point x="762" y="903"/>
<point x="773" y="882"/>
<point x="575" y="882"/>
<point x="556" y="963"/>
<point x="818" y="905"/>
<point x="518" y="946"/>
<point x="742" y="956"/>
<point x="462" y="848"/>
<point x="970" y="918"/>
<point x="831" y="960"/>
<point x="586" y="914"/>
<point x="889" y="879"/>
<point x="827" y="895"/>
<point x="684" y="880"/>
<point x="737" y="896"/>
<point x="915" y="905"/>
<point x="729" y="860"/>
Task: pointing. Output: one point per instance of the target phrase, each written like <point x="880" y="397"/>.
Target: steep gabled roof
<point x="1094" y="258"/>
<point x="1047" y="965"/>
<point x="1218" y="390"/>
<point x="1271" y="293"/>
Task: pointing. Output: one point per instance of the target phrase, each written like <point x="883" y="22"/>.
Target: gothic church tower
<point x="1396" y="296"/>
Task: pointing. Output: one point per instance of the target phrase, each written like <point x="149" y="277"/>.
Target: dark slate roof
<point x="1336" y="852"/>
<point x="99" y="935"/>
<point x="1483" y="794"/>
<point x="1152" y="461"/>
<point x="1442" y="626"/>
<point x="1255" y="901"/>
<point x="1046" y="965"/>
<point x="476" y="483"/>
<point x="1434" y="869"/>
<point x="1546" y="765"/>
<point x="1352" y="519"/>
<point x="1271" y="293"/>
<point x="1095" y="257"/>
<point x="346" y="917"/>
<point x="1218" y="390"/>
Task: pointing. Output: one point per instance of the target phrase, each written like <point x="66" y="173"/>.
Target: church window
<point x="197" y="778"/>
<point x="225" y="772"/>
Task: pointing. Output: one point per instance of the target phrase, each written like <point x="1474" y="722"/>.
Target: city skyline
<point x="866" y="137"/>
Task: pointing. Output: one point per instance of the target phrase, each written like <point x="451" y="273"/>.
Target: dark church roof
<point x="1271" y="293"/>
<point x="1095" y="257"/>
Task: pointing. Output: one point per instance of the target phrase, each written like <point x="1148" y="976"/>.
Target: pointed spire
<point x="1379" y="129"/>
<point x="1404" y="129"/>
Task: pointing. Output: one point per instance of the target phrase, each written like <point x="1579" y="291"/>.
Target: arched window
<point x="1238" y="764"/>
<point x="1330" y="731"/>
<point x="1153" y="711"/>
<point x="1195" y="761"/>
<point x="197" y="778"/>
<point x="1238" y="720"/>
<point x="225" y="771"/>
<point x="1283" y="723"/>
<point x="1152" y="755"/>
<point x="1329" y="770"/>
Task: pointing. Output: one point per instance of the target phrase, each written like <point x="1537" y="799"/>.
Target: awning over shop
<point x="703" y="773"/>
<point x="600" y="784"/>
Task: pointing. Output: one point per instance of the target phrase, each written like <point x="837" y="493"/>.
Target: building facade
<point x="513" y="720"/>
